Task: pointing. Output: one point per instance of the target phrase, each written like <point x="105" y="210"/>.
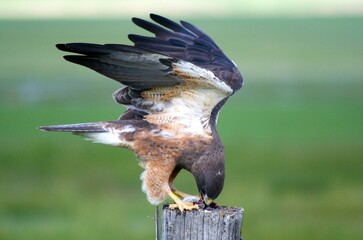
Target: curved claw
<point x="184" y="206"/>
<point x="180" y="204"/>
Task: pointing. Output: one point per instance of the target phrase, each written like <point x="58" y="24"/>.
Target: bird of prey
<point x="174" y="85"/>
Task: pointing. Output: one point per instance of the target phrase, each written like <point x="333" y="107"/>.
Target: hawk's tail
<point x="76" y="128"/>
<point x="111" y="133"/>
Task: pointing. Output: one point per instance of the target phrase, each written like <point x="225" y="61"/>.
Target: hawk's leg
<point x="176" y="195"/>
<point x="156" y="180"/>
<point x="181" y="194"/>
<point x="186" y="197"/>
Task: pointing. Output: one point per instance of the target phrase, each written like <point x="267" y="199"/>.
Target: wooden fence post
<point x="221" y="223"/>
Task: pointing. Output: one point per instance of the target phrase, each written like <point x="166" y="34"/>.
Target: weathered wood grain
<point x="222" y="223"/>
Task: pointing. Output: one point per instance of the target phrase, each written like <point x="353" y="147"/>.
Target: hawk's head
<point x="210" y="181"/>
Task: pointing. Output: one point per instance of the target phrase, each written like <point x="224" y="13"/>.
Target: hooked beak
<point x="207" y="201"/>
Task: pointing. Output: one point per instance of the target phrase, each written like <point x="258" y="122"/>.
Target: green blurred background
<point x="293" y="135"/>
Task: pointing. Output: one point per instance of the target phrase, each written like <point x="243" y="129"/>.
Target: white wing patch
<point x="189" y="107"/>
<point x="203" y="77"/>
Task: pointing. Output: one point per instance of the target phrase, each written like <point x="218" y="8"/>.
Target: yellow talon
<point x="180" y="204"/>
<point x="183" y="206"/>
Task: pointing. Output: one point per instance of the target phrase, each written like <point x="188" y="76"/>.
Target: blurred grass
<point x="293" y="135"/>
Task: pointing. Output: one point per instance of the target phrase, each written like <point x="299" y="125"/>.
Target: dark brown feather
<point x="187" y="42"/>
<point x="131" y="66"/>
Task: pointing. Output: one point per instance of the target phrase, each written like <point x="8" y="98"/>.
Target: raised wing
<point x="134" y="67"/>
<point x="189" y="43"/>
<point x="178" y="79"/>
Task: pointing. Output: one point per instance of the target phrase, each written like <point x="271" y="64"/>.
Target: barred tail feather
<point x="76" y="128"/>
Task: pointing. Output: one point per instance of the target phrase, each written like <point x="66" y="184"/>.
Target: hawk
<point x="174" y="85"/>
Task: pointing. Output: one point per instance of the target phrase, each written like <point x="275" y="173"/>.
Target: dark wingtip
<point x="159" y="19"/>
<point x="132" y="37"/>
<point x="71" y="58"/>
<point x="192" y="28"/>
<point x="137" y="20"/>
<point x="140" y="22"/>
<point x="153" y="16"/>
<point x="61" y="46"/>
<point x="78" y="59"/>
